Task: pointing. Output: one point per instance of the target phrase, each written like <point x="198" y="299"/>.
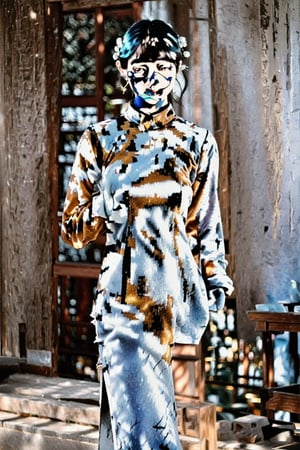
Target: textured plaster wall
<point x="262" y="46"/>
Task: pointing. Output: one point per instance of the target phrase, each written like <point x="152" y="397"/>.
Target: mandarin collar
<point x="150" y="121"/>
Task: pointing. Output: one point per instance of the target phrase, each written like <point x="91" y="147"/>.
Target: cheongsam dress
<point x="149" y="184"/>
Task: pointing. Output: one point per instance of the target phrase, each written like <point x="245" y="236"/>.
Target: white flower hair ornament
<point x="117" y="48"/>
<point x="185" y="53"/>
<point x="183" y="44"/>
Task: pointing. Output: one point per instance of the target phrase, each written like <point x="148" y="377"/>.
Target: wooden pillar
<point x="220" y="121"/>
<point x="27" y="134"/>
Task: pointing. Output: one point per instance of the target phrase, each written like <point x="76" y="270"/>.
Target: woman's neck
<point x="146" y="108"/>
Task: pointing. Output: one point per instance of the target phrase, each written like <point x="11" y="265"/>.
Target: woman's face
<point x="151" y="82"/>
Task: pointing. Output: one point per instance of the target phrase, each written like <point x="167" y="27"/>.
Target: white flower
<point x="117" y="48"/>
<point x="119" y="42"/>
<point x="182" y="42"/>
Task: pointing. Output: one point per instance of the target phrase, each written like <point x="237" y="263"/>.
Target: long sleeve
<point x="204" y="226"/>
<point x="80" y="225"/>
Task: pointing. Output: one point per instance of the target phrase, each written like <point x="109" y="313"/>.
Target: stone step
<point x="66" y="411"/>
<point x="66" y="400"/>
<point x="46" y="413"/>
<point x="52" y="387"/>
<point x="37" y="433"/>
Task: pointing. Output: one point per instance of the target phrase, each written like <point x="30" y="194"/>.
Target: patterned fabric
<point x="150" y="185"/>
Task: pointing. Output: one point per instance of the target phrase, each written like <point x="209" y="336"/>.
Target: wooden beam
<point x="71" y="5"/>
<point x="74" y="270"/>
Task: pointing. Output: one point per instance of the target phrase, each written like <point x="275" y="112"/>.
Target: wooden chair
<point x="196" y="418"/>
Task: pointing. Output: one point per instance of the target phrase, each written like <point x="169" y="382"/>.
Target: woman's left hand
<point x="216" y="299"/>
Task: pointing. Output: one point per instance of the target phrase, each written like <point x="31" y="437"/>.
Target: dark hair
<point x="151" y="39"/>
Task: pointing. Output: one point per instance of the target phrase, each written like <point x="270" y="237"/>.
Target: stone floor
<point x="42" y="413"/>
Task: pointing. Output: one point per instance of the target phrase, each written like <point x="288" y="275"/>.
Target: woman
<point x="148" y="181"/>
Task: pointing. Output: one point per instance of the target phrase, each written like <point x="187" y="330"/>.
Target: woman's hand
<point x="216" y="299"/>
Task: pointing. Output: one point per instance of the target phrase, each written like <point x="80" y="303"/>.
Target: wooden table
<point x="270" y="323"/>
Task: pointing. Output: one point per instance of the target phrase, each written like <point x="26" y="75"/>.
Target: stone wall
<point x="261" y="40"/>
